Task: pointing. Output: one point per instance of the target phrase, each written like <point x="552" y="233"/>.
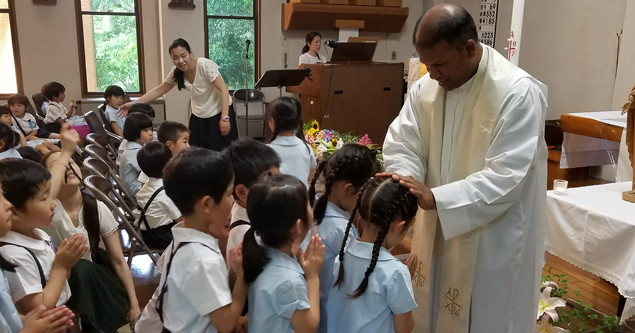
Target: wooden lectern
<point x="630" y="140"/>
<point x="362" y="98"/>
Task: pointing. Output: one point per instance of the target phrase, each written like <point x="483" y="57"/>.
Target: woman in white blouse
<point x="311" y="48"/>
<point x="213" y="121"/>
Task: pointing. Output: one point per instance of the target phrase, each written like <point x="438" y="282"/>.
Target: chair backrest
<point x="119" y="192"/>
<point x="97" y="139"/>
<point x="38" y="119"/>
<point x="97" y="167"/>
<point x="94" y="123"/>
<point x="104" y="118"/>
<point x="101" y="188"/>
<point x="38" y="99"/>
<point x="100" y="152"/>
<point x="100" y="140"/>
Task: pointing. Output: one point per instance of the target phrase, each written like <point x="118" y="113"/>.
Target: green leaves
<point x="227" y="36"/>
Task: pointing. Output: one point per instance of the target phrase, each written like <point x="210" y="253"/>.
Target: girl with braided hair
<point x="381" y="299"/>
<point x="286" y="123"/>
<point x="284" y="291"/>
<point x="345" y="172"/>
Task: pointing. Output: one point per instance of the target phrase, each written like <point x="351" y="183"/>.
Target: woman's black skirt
<point x="205" y="132"/>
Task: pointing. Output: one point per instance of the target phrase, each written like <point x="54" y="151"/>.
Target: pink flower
<point x="365" y="141"/>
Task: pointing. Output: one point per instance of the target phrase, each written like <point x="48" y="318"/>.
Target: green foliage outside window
<point x="115" y="43"/>
<point x="227" y="35"/>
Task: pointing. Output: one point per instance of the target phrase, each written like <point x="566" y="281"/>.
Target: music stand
<point x="353" y="52"/>
<point x="282" y="78"/>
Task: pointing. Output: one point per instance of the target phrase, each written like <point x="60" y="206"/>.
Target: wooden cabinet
<point x="360" y="98"/>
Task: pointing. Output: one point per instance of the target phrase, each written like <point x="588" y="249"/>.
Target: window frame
<point x="256" y="42"/>
<point x="82" y="54"/>
<point x="16" y="49"/>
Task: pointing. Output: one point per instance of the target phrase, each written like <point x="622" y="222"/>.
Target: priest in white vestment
<point x="469" y="142"/>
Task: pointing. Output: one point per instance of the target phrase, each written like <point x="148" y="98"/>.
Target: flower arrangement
<point x="555" y="315"/>
<point x="326" y="141"/>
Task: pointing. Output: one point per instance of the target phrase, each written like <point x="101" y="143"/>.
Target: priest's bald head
<point x="446" y="40"/>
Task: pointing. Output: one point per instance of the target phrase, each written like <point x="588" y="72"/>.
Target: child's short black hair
<point x="30" y="153"/>
<point x="134" y="124"/>
<point x="52" y="90"/>
<point x="18" y="99"/>
<point x="153" y="157"/>
<point x="8" y="136"/>
<point x="194" y="173"/>
<point x="21" y="179"/>
<point x="141" y="107"/>
<point x="113" y="90"/>
<point x="170" y="131"/>
<point x="4" y="110"/>
<point x="250" y="159"/>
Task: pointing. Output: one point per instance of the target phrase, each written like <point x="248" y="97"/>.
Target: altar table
<point x="593" y="228"/>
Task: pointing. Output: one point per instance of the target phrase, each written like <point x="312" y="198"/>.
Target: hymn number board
<point x="487" y="22"/>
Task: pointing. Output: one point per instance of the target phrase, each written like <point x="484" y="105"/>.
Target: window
<point x="110" y="38"/>
<point x="11" y="80"/>
<point x="230" y="23"/>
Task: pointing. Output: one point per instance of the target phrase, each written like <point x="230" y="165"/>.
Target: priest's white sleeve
<point x="402" y="145"/>
<point x="484" y="196"/>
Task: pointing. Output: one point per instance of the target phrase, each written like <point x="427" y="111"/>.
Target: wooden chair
<point x="102" y="189"/>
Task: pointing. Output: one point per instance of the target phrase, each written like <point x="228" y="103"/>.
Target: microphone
<point x="247" y="42"/>
<point x="330" y="43"/>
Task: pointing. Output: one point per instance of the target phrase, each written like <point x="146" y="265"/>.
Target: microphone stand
<point x="247" y="89"/>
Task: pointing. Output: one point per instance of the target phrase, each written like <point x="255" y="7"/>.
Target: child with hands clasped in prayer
<point x="40" y="275"/>
<point x="284" y="293"/>
<point x="373" y="289"/>
<point x="39" y="320"/>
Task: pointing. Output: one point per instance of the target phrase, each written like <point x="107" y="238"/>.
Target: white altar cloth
<point x="593" y="228"/>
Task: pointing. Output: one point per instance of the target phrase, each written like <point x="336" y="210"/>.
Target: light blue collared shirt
<point x="129" y="167"/>
<point x="276" y="294"/>
<point x="11" y="152"/>
<point x="389" y="292"/>
<point x="331" y="230"/>
<point x="9" y="317"/>
<point x="112" y="115"/>
<point x="296" y="156"/>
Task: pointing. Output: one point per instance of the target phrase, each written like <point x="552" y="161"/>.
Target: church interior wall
<point x="569" y="45"/>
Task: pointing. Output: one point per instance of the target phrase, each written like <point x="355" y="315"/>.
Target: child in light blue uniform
<point x="114" y="99"/>
<point x="373" y="290"/>
<point x="286" y="123"/>
<point x="345" y="172"/>
<point x="138" y="131"/>
<point x="281" y="299"/>
<point x="8" y="141"/>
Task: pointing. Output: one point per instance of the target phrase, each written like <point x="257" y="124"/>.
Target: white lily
<point x="544" y="326"/>
<point x="548" y="304"/>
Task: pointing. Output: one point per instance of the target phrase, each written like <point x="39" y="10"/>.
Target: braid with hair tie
<point x="381" y="235"/>
<point x="340" y="275"/>
<point x="316" y="176"/>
